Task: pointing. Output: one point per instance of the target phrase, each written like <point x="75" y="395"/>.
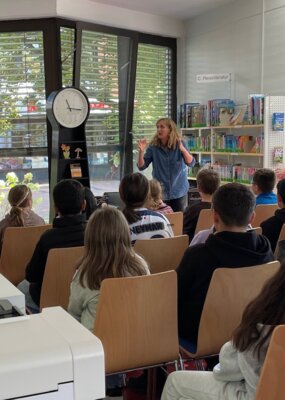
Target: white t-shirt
<point x="151" y="225"/>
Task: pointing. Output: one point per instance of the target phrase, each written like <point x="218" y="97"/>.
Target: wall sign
<point x="210" y="78"/>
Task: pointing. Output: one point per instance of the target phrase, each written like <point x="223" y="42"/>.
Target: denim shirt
<point x="169" y="168"/>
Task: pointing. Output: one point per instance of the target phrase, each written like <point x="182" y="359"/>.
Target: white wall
<point x="243" y="38"/>
<point x="90" y="11"/>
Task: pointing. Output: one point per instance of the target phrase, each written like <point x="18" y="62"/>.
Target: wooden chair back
<point x="230" y="290"/>
<point x="263" y="212"/>
<point x="205" y="220"/>
<point x="18" y="247"/>
<point x="280" y="238"/>
<point x="176" y="222"/>
<point x="162" y="254"/>
<point x="59" y="271"/>
<point x="136" y="321"/>
<point x="271" y="383"/>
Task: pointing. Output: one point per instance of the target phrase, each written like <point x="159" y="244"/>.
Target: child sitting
<point x="108" y="254"/>
<point x="208" y="182"/>
<point x="263" y="185"/>
<point x="21" y="213"/>
<point x="236" y="376"/>
<point x="154" y="201"/>
<point x="144" y="223"/>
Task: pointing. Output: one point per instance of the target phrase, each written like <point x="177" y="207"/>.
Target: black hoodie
<point x="272" y="227"/>
<point x="223" y="249"/>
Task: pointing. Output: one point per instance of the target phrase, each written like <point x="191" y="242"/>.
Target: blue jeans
<point x="24" y="287"/>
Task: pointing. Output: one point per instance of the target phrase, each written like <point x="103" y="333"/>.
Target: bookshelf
<point x="235" y="152"/>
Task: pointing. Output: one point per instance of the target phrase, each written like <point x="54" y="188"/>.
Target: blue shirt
<point x="266" y="198"/>
<point x="169" y="168"/>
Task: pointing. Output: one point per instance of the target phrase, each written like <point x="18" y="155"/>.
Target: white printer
<point x="49" y="356"/>
<point x="9" y="292"/>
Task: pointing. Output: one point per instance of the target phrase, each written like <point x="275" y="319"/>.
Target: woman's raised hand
<point x="142" y="143"/>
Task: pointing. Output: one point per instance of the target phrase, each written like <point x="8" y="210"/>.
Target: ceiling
<point x="179" y="9"/>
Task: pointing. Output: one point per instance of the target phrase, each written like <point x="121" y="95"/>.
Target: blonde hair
<point x="108" y="249"/>
<point x="174" y="136"/>
<point x="155" y="194"/>
<point x="19" y="197"/>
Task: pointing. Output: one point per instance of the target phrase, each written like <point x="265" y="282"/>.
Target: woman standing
<point x="170" y="158"/>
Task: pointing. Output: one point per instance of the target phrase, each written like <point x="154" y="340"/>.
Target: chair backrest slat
<point x="162" y="254"/>
<point x="230" y="290"/>
<point x="271" y="383"/>
<point x="205" y="220"/>
<point x="59" y="271"/>
<point x="176" y="222"/>
<point x="263" y="212"/>
<point x="136" y="321"/>
<point x="18" y="246"/>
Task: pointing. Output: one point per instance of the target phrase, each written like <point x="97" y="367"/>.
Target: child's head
<point x="166" y="129"/>
<point x="68" y="197"/>
<point x="19" y="197"/>
<point x="281" y="193"/>
<point x="108" y="249"/>
<point x="268" y="308"/>
<point x="234" y="203"/>
<point x="208" y="181"/>
<point x="263" y="181"/>
<point x="133" y="190"/>
<point x="155" y="194"/>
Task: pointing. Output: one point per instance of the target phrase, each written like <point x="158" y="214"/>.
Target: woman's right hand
<point x="142" y="143"/>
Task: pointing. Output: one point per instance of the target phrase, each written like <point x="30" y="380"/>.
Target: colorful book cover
<point x="278" y="154"/>
<point x="278" y="121"/>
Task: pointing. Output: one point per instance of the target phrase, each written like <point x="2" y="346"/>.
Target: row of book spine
<point x="227" y="143"/>
<point x="231" y="173"/>
<point x="221" y="112"/>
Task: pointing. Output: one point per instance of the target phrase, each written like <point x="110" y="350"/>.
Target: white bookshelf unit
<point x="236" y="151"/>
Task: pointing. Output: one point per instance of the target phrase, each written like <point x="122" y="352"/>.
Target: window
<point x="23" y="133"/>
<point x="67" y="55"/>
<point x="153" y="95"/>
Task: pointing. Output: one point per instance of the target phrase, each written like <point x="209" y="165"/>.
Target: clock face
<point x="70" y="107"/>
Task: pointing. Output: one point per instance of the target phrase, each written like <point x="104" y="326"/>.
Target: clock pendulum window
<point x="68" y="110"/>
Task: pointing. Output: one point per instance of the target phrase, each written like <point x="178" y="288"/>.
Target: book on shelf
<point x="256" y="109"/>
<point x="220" y="111"/>
<point x="240" y="115"/>
<point x="278" y="121"/>
<point x="183" y="113"/>
<point x="75" y="170"/>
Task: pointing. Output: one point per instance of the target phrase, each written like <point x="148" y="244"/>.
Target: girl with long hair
<point x="169" y="157"/>
<point x="236" y="376"/>
<point x="108" y="254"/>
<point x="144" y="223"/>
<point x="154" y="200"/>
<point x="21" y="213"/>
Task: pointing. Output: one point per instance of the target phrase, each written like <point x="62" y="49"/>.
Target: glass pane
<point x="153" y="88"/>
<point x="99" y="80"/>
<point x="153" y="93"/>
<point x="67" y="55"/>
<point x="23" y="117"/>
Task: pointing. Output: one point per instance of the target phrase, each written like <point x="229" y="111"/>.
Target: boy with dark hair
<point x="231" y="246"/>
<point x="262" y="185"/>
<point x="272" y="226"/>
<point x="208" y="182"/>
<point x="67" y="231"/>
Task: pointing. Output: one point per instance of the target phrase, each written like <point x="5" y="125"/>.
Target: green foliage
<point x="11" y="181"/>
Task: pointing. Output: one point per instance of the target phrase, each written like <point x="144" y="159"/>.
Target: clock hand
<point x="68" y="106"/>
<point x="78" y="109"/>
